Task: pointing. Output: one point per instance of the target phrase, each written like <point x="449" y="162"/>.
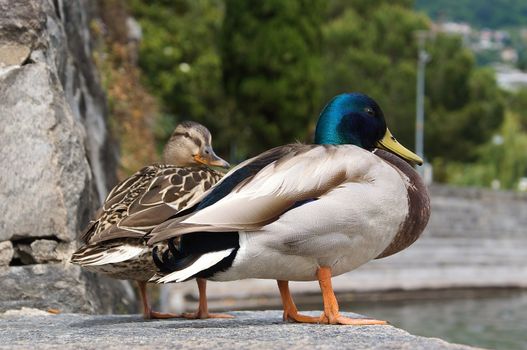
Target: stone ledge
<point x="249" y="330"/>
<point x="64" y="287"/>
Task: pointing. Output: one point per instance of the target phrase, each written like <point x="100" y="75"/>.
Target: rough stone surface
<point x="25" y="311"/>
<point x="21" y="22"/>
<point x="57" y="160"/>
<point x="6" y="253"/>
<point x="62" y="287"/>
<point x="249" y="330"/>
<point x="43" y="152"/>
<point x="52" y="127"/>
<point x="43" y="251"/>
<point x="13" y="54"/>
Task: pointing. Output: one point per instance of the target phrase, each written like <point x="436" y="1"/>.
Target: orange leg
<point x="148" y="313"/>
<point x="290" y="310"/>
<point x="331" y="313"/>
<point x="203" y="310"/>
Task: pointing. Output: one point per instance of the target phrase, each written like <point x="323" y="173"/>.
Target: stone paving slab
<point x="248" y="330"/>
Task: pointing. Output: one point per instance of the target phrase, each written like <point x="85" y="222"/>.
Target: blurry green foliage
<point x="132" y="109"/>
<point x="258" y="72"/>
<point x="272" y="69"/>
<point x="464" y="104"/>
<point x="502" y="158"/>
<point x="517" y="102"/>
<point x="180" y="61"/>
<point x="371" y="46"/>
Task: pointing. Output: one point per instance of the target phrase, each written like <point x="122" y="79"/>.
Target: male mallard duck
<point x="306" y="212"/>
<point x="114" y="243"/>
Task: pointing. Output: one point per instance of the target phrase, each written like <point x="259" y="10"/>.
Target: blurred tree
<point x="278" y="58"/>
<point x="181" y="64"/>
<point x="499" y="159"/>
<point x="271" y="69"/>
<point x="517" y="102"/>
<point x="132" y="109"/>
<point x="465" y="106"/>
<point x="370" y="46"/>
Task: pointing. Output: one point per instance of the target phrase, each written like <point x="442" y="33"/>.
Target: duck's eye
<point x="369" y="111"/>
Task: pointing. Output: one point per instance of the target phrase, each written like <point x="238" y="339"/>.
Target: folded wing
<point x="150" y="196"/>
<point x="295" y="174"/>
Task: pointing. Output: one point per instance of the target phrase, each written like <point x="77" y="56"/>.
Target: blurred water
<point x="498" y="322"/>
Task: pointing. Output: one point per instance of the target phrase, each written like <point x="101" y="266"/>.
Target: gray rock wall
<point x="57" y="159"/>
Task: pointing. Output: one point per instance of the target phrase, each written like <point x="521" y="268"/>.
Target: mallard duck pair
<point x="305" y="212"/>
<point x="302" y="212"/>
<point x="155" y="192"/>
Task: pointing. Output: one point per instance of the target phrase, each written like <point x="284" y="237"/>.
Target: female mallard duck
<point x="306" y="212"/>
<point x="114" y="243"/>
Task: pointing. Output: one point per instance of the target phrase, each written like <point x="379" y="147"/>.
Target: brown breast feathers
<point x="418" y="206"/>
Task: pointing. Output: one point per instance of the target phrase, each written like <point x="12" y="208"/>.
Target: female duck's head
<point x="357" y="119"/>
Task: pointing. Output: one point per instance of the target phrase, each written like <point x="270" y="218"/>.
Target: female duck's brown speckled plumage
<point x="153" y="193"/>
<point x="114" y="242"/>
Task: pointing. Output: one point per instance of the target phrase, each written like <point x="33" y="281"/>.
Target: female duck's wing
<point x="240" y="173"/>
<point x="199" y="190"/>
<point x="116" y="203"/>
<point x="150" y="196"/>
<point x="167" y="194"/>
<point x="104" y="217"/>
<point x="303" y="173"/>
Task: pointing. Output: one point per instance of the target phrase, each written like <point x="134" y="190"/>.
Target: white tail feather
<point x="204" y="262"/>
<point x="123" y="253"/>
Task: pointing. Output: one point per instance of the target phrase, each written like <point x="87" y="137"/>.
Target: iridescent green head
<point x="355" y="118"/>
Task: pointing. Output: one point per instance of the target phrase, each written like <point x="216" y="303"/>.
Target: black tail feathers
<point x="179" y="253"/>
<point x="171" y="258"/>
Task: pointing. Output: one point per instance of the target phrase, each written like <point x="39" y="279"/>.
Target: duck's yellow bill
<point x="389" y="143"/>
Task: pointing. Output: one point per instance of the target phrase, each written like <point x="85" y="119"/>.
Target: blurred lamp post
<point x="423" y="58"/>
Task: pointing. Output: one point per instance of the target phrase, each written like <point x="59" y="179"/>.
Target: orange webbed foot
<point x="204" y="315"/>
<point x="294" y="316"/>
<point x="331" y="313"/>
<point x="339" y="319"/>
<point x="156" y="315"/>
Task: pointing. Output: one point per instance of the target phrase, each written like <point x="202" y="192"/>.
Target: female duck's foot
<point x="296" y="317"/>
<point x="155" y="315"/>
<point x="203" y="310"/>
<point x="331" y="313"/>
<point x="339" y="319"/>
<point x="148" y="313"/>
<point x="204" y="315"/>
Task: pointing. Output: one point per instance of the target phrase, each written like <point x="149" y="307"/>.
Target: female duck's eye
<point x="369" y="111"/>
